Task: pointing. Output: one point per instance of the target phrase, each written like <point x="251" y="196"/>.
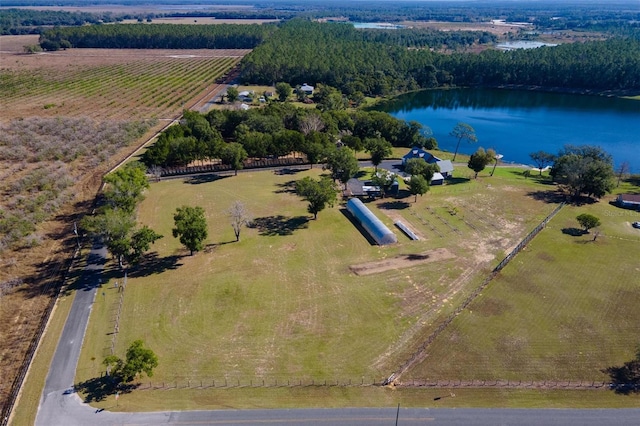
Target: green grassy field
<point x="282" y="304"/>
<point x="564" y="309"/>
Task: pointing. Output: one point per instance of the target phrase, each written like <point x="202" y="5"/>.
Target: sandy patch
<point x="402" y="261"/>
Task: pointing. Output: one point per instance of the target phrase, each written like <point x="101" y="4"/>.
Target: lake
<point x="516" y="123"/>
<point x="376" y="25"/>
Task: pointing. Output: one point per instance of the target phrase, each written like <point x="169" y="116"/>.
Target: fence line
<point x="56" y="282"/>
<point x="419" y="354"/>
<point x="217" y="167"/>
<point x="266" y="383"/>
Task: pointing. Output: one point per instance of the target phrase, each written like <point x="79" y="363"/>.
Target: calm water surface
<point x="516" y="123"/>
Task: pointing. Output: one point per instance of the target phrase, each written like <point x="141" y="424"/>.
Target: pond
<point x="377" y="25"/>
<point x="516" y="123"/>
<point x="522" y="44"/>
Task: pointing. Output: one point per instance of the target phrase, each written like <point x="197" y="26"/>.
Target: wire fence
<point x="420" y="353"/>
<point x="55" y="282"/>
<point x="239" y="383"/>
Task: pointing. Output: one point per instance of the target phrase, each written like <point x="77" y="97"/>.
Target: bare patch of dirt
<point x="394" y="216"/>
<point x="402" y="261"/>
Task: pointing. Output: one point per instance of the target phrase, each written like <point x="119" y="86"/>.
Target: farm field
<point x="89" y="91"/>
<point x="283" y="306"/>
<point x="564" y="309"/>
<point x="109" y="84"/>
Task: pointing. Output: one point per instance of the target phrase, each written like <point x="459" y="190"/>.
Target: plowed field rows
<point x="110" y="84"/>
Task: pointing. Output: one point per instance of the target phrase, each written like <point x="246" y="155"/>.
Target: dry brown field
<point x="101" y="86"/>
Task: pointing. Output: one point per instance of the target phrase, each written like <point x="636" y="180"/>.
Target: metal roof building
<point x="376" y="229"/>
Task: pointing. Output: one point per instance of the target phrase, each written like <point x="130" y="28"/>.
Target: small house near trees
<point x="629" y="201"/>
<point x="308" y="90"/>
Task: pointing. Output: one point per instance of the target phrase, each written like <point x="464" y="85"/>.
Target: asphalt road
<point x="61" y="406"/>
<point x="63" y="366"/>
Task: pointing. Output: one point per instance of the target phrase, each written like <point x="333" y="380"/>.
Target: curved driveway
<point x="61" y="406"/>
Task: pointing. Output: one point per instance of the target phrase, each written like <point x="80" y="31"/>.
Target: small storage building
<point x="629" y="201"/>
<point x="374" y="227"/>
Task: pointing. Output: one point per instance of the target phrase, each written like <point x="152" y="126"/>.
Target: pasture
<point x="283" y="306"/>
<point x="564" y="309"/>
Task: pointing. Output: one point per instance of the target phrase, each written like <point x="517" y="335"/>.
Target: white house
<point x="437" y="179"/>
<point x="308" y="90"/>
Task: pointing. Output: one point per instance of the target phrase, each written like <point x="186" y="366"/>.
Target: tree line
<point x="600" y="65"/>
<point x="376" y="63"/>
<point x="157" y="36"/>
<point x="343" y="57"/>
<point x="28" y="21"/>
<point x="277" y="130"/>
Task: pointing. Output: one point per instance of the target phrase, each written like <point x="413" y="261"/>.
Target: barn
<point x="374" y="227"/>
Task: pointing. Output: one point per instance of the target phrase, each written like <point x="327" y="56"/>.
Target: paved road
<point x="63" y="366"/>
<point x="60" y="406"/>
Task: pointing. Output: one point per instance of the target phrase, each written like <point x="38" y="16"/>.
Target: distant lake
<point x="522" y="44"/>
<point x="377" y="25"/>
<point x="516" y="123"/>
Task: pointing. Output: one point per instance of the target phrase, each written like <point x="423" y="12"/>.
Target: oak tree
<point x="190" y="227"/>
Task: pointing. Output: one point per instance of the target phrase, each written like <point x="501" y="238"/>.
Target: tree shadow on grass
<point x="288" y="187"/>
<point x="574" y="232"/>
<point x="625" y="379"/>
<point x="535" y="177"/>
<point x="279" y="225"/>
<point x="288" y="171"/>
<point x="457" y="180"/>
<point x="361" y="174"/>
<point x="99" y="388"/>
<point x="403" y="193"/>
<point x="152" y="264"/>
<point x="204" y="178"/>
<point x="394" y="205"/>
<point x="548" y="196"/>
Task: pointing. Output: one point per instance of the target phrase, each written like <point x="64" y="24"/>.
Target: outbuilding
<point x="308" y="90"/>
<point x="377" y="230"/>
<point x="629" y="201"/>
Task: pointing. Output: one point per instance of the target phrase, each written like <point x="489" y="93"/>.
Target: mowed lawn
<point x="565" y="309"/>
<point x="282" y="302"/>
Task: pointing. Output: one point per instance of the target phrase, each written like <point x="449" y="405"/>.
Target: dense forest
<point x="157" y="36"/>
<point x="598" y="65"/>
<point x="344" y="57"/>
<point x="340" y="56"/>
<point x="278" y="130"/>
<point x="26" y="21"/>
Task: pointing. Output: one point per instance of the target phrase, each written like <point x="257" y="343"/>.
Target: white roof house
<point x="307" y="89"/>
<point x="437" y="179"/>
<point x="446" y="167"/>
